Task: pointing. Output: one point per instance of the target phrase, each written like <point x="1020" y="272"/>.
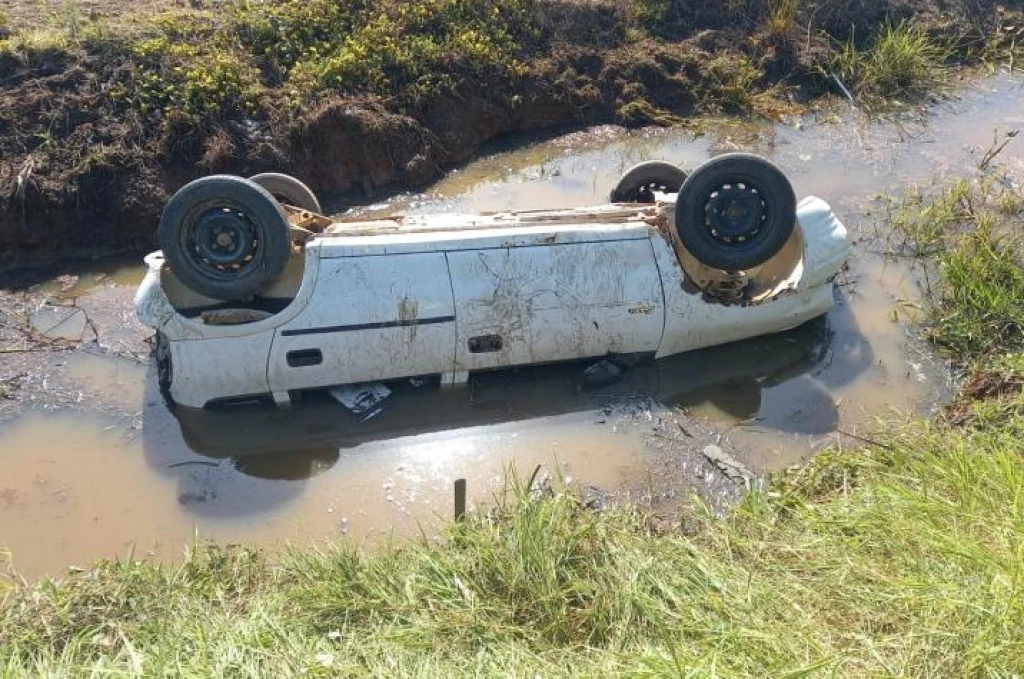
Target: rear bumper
<point x="198" y="364"/>
<point x="826" y="243"/>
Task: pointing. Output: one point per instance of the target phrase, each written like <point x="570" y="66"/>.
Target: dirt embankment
<point x="85" y="168"/>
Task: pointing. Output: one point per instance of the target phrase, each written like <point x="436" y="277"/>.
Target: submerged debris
<point x="362" y="399"/>
<point x="730" y="466"/>
<point x="65" y="323"/>
<point x="595" y="499"/>
<point x="9" y="385"/>
<point x="602" y="374"/>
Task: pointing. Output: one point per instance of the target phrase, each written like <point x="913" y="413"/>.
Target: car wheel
<point x="289" y="190"/>
<point x="640" y="182"/>
<point x="736" y="212"/>
<point x="225" y="237"/>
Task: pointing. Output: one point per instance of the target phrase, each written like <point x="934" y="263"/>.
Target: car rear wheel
<point x="225" y="237"/>
<point x="641" y="182"/>
<point x="288" y="190"/>
<point x="736" y="212"/>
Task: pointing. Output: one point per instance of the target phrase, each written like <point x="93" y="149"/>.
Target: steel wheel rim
<point x="222" y="240"/>
<point x="736" y="213"/>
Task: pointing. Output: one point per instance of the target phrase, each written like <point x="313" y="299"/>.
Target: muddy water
<point x="74" y="491"/>
<point x="93" y="463"/>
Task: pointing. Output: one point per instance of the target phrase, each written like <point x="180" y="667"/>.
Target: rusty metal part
<point x="300" y="235"/>
<point x="306" y="220"/>
<point x="720" y="287"/>
<point x="732" y="288"/>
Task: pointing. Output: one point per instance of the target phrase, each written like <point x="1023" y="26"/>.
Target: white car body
<point x="450" y="295"/>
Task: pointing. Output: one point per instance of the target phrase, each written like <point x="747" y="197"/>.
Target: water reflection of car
<point x="257" y="295"/>
<point x="318" y="425"/>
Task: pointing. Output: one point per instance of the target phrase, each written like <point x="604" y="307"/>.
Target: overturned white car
<point x="256" y="295"/>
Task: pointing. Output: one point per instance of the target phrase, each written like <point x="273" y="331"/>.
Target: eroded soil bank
<point x="100" y="122"/>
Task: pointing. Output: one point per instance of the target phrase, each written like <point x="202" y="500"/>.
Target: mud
<point x="92" y="463"/>
<point x="82" y="174"/>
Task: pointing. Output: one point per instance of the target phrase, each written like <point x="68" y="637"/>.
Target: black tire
<point x="289" y="190"/>
<point x="761" y="217"/>
<point x="641" y="181"/>
<point x="225" y="237"/>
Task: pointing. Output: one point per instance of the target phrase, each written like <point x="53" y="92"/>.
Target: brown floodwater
<point x="93" y="464"/>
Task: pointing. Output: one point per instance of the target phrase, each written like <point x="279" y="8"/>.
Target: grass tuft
<point x="902" y="61"/>
<point x="782" y="16"/>
<point x="974" y="230"/>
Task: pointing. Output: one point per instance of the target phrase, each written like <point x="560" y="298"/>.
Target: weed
<point x="782" y="16"/>
<point x="410" y="51"/>
<point x="643" y="112"/>
<point x="29" y="44"/>
<point x="1005" y="47"/>
<point x="187" y="80"/>
<point x="6" y="583"/>
<point x="922" y="222"/>
<point x="992" y="396"/>
<point x="70" y="19"/>
<point x="732" y="80"/>
<point x="901" y="61"/>
<point x="673" y="18"/>
<point x="653" y="15"/>
<point x="979" y="310"/>
<point x="973" y="231"/>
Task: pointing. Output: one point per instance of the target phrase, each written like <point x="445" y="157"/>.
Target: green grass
<point x="901" y="61"/>
<point x="974" y="231"/>
<point x="204" y="66"/>
<point x="904" y="559"/>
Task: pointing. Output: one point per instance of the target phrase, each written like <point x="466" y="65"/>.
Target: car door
<point x="370" y="317"/>
<point x="546" y="303"/>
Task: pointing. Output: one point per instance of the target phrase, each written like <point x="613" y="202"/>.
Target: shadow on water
<point x="291" y="444"/>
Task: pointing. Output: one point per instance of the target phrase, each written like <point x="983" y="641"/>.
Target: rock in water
<point x="730" y="466"/>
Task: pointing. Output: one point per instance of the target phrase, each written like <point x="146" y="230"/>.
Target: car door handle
<point x="304" y="358"/>
<point x="486" y="344"/>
